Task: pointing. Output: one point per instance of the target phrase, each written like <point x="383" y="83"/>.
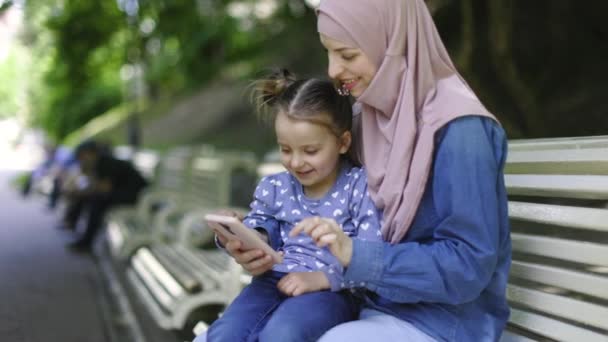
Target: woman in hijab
<point x="434" y="157"/>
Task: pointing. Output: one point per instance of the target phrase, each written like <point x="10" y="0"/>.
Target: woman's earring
<point x="343" y="92"/>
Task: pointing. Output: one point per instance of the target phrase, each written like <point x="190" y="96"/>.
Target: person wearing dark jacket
<point x="111" y="182"/>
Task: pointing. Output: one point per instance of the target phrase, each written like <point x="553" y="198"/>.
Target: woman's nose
<point x="334" y="68"/>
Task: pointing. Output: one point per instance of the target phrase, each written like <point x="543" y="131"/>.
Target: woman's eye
<point x="348" y="57"/>
<point x="311" y="152"/>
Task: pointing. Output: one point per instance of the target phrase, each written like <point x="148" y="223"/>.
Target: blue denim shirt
<point x="448" y="276"/>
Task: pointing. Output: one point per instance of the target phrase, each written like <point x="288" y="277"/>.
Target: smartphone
<point x="232" y="228"/>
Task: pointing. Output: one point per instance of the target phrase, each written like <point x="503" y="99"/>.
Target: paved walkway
<point x="47" y="293"/>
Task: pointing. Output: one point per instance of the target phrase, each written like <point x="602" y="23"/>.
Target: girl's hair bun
<point x="267" y="90"/>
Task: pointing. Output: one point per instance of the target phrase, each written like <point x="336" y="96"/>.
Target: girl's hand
<point x="326" y="232"/>
<point x="254" y="261"/>
<point x="297" y="283"/>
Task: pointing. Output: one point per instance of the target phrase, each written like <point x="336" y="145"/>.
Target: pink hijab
<point x="414" y="93"/>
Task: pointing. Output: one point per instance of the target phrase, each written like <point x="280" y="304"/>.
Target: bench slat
<point x="558" y="143"/>
<point x="587" y="283"/>
<point x="559" y="215"/>
<point x="576" y="251"/>
<point x="270" y="168"/>
<point x="585" y="187"/>
<point x="552" y="328"/>
<point x="175" y="267"/>
<point x="216" y="265"/>
<point x="508" y="336"/>
<point x="566" y="161"/>
<point x="568" y="308"/>
<point x="156" y="290"/>
<point x="152" y="264"/>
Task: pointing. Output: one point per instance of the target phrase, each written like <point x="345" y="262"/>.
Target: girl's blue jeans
<point x="262" y="313"/>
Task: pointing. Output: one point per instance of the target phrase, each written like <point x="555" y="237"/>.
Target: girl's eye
<point x="348" y="57"/>
<point x="311" y="152"/>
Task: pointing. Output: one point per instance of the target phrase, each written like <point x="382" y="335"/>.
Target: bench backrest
<point x="146" y="161"/>
<point x="173" y="167"/>
<point x="223" y="179"/>
<point x="558" y="191"/>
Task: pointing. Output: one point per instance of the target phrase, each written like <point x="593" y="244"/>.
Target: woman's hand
<point x="326" y="232"/>
<point x="297" y="283"/>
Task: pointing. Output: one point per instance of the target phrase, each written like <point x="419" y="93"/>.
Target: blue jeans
<point x="262" y="313"/>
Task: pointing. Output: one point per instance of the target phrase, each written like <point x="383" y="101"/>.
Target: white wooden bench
<point x="558" y="286"/>
<point x="180" y="285"/>
<point x="558" y="207"/>
<point x="126" y="224"/>
<point x="184" y="278"/>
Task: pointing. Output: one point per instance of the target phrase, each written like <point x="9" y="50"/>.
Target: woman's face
<point x="348" y="65"/>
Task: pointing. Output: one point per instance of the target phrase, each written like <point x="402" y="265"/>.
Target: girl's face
<point x="348" y="65"/>
<point x="310" y="152"/>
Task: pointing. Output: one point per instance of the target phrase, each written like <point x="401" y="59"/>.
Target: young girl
<point x="305" y="295"/>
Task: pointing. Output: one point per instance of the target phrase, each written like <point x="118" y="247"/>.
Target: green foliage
<point x="12" y="82"/>
<point x="4" y="5"/>
<point x="80" y="49"/>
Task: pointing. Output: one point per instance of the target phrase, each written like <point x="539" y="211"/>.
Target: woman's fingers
<point x="318" y="231"/>
<point x="305" y="226"/>
<point x="327" y="239"/>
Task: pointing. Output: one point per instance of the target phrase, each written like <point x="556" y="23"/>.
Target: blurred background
<point x="163" y="73"/>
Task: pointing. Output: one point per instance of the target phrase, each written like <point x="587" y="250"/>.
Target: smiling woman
<point x="434" y="157"/>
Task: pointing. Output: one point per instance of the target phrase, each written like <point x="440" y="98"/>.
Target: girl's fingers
<point x="260" y="262"/>
<point x="221" y="239"/>
<point x="297" y="291"/>
<point x="232" y="246"/>
<point x="248" y="256"/>
<point x="283" y="281"/>
<point x="281" y="286"/>
<point x="289" y="288"/>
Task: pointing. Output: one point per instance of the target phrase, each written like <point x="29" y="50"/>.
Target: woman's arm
<point x="457" y="264"/>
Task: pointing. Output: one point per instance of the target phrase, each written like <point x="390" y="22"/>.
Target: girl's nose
<point x="295" y="162"/>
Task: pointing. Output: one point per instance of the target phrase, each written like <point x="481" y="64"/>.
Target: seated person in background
<point x="312" y="125"/>
<point x="111" y="182"/>
<point x="57" y="163"/>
